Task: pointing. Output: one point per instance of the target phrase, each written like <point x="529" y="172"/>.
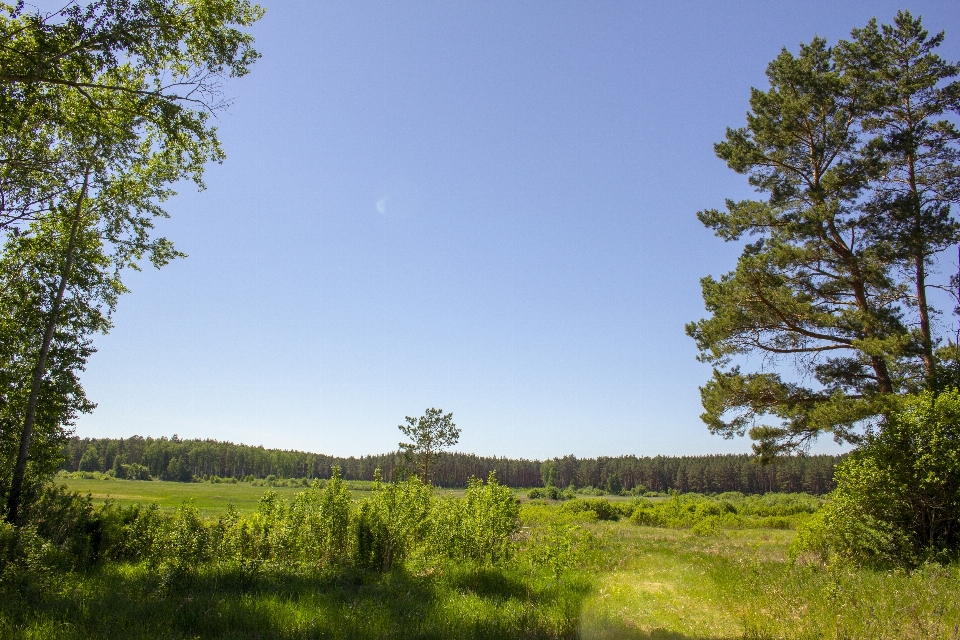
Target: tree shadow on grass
<point x="134" y="602"/>
<point x="487" y="582"/>
<point x="613" y="631"/>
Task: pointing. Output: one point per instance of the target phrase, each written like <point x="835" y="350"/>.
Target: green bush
<point x="333" y="520"/>
<point x="603" y="509"/>
<point x="559" y="546"/>
<point x="188" y="541"/>
<point x="131" y="533"/>
<point x="711" y="525"/>
<point x="480" y="526"/>
<point x="781" y="505"/>
<point x="29" y="564"/>
<point x="552" y="492"/>
<point x="897" y="500"/>
<point x="731" y="510"/>
<point x="321" y="528"/>
<point x="390" y="522"/>
<point x="680" y="511"/>
<point x="134" y="472"/>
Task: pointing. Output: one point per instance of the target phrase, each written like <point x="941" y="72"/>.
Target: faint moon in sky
<point x="397" y="199"/>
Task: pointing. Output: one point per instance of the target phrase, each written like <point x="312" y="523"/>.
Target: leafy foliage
<point x="897" y="499"/>
<point x="551" y="492"/>
<point x="728" y="510"/>
<point x="601" y="509"/>
<point x="481" y="526"/>
<point x="321" y="528"/>
<point x="391" y="523"/>
<point x="102" y="108"/>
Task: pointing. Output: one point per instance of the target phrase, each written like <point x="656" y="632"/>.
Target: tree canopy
<point x="430" y="434"/>
<point x="855" y="154"/>
<point x="102" y="109"/>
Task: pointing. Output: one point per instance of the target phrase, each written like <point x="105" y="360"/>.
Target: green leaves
<point x="897" y="499"/>
<point x="102" y="109"/>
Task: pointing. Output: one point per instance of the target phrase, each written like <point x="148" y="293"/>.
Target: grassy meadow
<point x="572" y="576"/>
<point x="211" y="498"/>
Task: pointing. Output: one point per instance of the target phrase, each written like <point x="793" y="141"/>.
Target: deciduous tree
<point x="167" y="57"/>
<point x="115" y="138"/>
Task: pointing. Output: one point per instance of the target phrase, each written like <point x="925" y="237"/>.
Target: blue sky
<point x="483" y="207"/>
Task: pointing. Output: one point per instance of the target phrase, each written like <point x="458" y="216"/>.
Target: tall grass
<point x="404" y="562"/>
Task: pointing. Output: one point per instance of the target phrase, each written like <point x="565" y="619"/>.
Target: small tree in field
<point x="430" y="433"/>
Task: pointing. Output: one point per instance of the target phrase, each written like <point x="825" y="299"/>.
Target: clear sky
<point x="485" y="207"/>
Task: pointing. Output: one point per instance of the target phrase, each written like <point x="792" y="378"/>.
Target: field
<point x="212" y="499"/>
<point x="572" y="577"/>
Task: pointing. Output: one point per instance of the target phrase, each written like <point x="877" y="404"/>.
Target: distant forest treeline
<point x="175" y="459"/>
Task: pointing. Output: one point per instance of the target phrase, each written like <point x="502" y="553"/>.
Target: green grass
<point x="628" y="582"/>
<point x="671" y="584"/>
<point x="134" y="602"/>
<point x="212" y="499"/>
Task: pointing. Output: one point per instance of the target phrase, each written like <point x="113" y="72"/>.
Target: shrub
<point x="680" y="511"/>
<point x="897" y="499"/>
<point x="68" y="522"/>
<point x="389" y="522"/>
<point x="131" y="533"/>
<point x="322" y="527"/>
<point x="603" y="509"/>
<point x="781" y="505"/>
<point x="28" y="563"/>
<point x="134" y="472"/>
<point x="708" y="526"/>
<point x="271" y="532"/>
<point x="188" y="539"/>
<point x="560" y="546"/>
<point x="841" y="530"/>
<point x="553" y="493"/>
<point x="333" y="520"/>
<point x="480" y="526"/>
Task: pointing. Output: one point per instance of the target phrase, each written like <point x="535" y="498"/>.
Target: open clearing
<point x="619" y="581"/>
<point x="211" y="498"/>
